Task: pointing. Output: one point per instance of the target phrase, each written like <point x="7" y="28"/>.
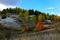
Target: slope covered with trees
<point x="38" y="18"/>
<point x="38" y="14"/>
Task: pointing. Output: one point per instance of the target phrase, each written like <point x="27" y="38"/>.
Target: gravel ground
<point x="42" y="35"/>
<point x="50" y="35"/>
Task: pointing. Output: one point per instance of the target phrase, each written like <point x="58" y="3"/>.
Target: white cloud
<point x="50" y="8"/>
<point x="52" y="13"/>
<point x="2" y="6"/>
<point x="58" y="14"/>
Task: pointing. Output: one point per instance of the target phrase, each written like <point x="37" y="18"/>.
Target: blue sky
<point x="47" y="6"/>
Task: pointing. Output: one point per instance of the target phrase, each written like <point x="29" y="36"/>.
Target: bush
<point x="1" y="26"/>
<point x="50" y="27"/>
<point x="22" y="30"/>
<point x="35" y="30"/>
<point x="3" y="16"/>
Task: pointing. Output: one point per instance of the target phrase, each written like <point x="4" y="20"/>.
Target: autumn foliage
<point x="26" y="28"/>
<point x="39" y="26"/>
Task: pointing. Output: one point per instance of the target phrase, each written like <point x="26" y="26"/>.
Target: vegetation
<point x="33" y="19"/>
<point x="26" y="15"/>
<point x="38" y="18"/>
<point x="1" y="26"/>
<point x="22" y="12"/>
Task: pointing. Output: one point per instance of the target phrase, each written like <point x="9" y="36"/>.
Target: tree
<point x="40" y="17"/>
<point x="17" y="10"/>
<point x="21" y="15"/>
<point x="26" y="16"/>
<point x="51" y="17"/>
<point x="4" y="13"/>
<point x="55" y="18"/>
<point x="31" y="12"/>
<point x="33" y="19"/>
<point x="37" y="13"/>
<point x="39" y="26"/>
<point x="47" y="16"/>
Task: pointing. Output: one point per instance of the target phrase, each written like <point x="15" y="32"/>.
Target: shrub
<point x="22" y="30"/>
<point x="3" y="16"/>
<point x="1" y="26"/>
<point x="39" y="26"/>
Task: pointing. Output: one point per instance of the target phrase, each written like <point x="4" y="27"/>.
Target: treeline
<point x="38" y="15"/>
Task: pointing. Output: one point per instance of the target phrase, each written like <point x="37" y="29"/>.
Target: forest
<point x="38" y="14"/>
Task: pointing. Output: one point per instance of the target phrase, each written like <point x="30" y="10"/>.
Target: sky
<point x="47" y="6"/>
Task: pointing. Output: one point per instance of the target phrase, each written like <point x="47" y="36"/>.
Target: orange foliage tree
<point x="39" y="26"/>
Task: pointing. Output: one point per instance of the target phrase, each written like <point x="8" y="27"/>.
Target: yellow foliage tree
<point x="21" y="15"/>
<point x="55" y="18"/>
<point x="26" y="15"/>
<point x="40" y="17"/>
